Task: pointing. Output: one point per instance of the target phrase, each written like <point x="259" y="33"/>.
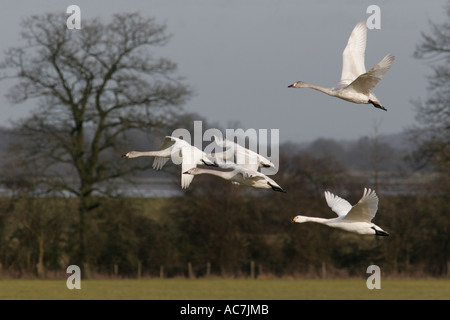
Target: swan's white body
<point x="350" y="218"/>
<point x="239" y="155"/>
<point x="180" y="151"/>
<point x="240" y="175"/>
<point x="356" y="84"/>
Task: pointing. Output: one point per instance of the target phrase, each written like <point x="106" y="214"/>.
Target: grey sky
<point x="240" y="56"/>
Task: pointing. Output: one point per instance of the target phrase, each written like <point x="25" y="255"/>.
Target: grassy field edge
<point x="226" y="289"/>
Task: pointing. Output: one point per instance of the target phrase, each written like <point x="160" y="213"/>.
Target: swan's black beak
<point x="124" y="156"/>
<point x="290" y="86"/>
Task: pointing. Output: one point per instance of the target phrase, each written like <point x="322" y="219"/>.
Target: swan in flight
<point x="179" y="151"/>
<point x="240" y="155"/>
<point x="240" y="175"/>
<point x="350" y="218"/>
<point x="356" y="84"/>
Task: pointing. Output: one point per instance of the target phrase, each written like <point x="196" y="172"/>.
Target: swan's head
<point x="298" y="84"/>
<point x="299" y="219"/>
<point x="129" y="155"/>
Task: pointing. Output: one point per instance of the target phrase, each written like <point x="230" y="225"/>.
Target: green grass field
<point x="225" y="289"/>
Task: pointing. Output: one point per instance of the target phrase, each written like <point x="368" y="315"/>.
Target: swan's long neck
<point x="328" y="91"/>
<point x="314" y="219"/>
<point x="137" y="154"/>
<point x="302" y="219"/>
<point x="223" y="174"/>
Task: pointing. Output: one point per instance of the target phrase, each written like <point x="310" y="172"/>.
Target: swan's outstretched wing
<point x="251" y="159"/>
<point x="159" y="162"/>
<point x="191" y="156"/>
<point x="340" y="206"/>
<point x="167" y="143"/>
<point x="244" y="172"/>
<point x="242" y="156"/>
<point x="186" y="179"/>
<point x="223" y="157"/>
<point x="366" y="208"/>
<point x="187" y="164"/>
<point x="246" y="158"/>
<point x="367" y="81"/>
<point x="353" y="55"/>
<point x="248" y="173"/>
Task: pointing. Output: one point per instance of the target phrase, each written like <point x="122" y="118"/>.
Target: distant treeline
<point x="387" y="152"/>
<point x="219" y="229"/>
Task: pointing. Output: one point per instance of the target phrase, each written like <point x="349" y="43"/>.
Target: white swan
<point x="240" y="175"/>
<point x="356" y="84"/>
<point x="240" y="155"/>
<point x="179" y="151"/>
<point x="350" y="218"/>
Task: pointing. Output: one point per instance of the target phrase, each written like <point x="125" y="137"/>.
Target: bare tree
<point x="432" y="133"/>
<point x="92" y="86"/>
<point x="432" y="139"/>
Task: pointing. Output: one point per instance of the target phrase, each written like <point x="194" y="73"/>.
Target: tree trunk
<point x="82" y="248"/>
<point x="40" y="265"/>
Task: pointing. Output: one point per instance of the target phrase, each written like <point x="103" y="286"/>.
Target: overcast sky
<point x="240" y="56"/>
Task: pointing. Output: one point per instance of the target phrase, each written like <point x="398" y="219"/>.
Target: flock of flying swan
<point x="240" y="165"/>
<point x="181" y="152"/>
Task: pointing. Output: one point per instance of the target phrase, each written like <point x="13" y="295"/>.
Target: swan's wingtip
<point x="361" y="24"/>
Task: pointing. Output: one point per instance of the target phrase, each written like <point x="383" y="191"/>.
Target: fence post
<point x="190" y="273"/>
<point x="116" y="270"/>
<point x="161" y="272"/>
<point x="324" y="270"/>
<point x="139" y="269"/>
<point x="208" y="269"/>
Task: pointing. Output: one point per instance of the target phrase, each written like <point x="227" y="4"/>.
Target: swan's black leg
<point x="376" y="105"/>
<point x="380" y="233"/>
<point x="275" y="188"/>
